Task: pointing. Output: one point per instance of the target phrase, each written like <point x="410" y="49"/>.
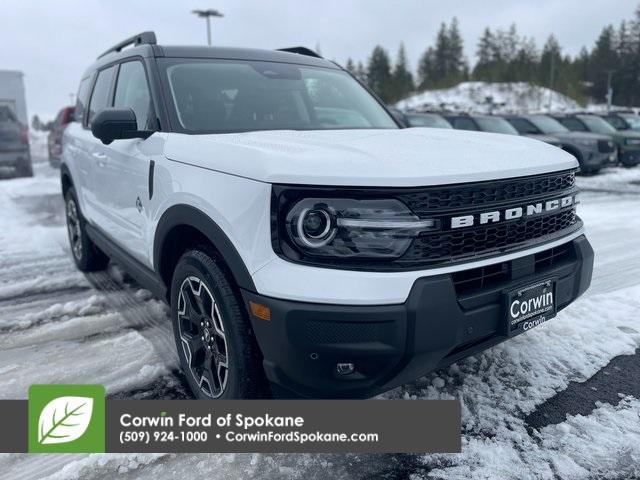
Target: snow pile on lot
<point x="483" y="97"/>
<point x="38" y="145"/>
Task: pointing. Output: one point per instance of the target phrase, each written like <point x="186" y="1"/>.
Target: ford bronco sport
<point x="308" y="245"/>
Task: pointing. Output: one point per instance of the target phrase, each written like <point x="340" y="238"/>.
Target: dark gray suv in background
<point x="14" y="143"/>
<point x="593" y="151"/>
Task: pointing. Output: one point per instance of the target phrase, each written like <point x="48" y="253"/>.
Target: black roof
<point x="144" y="45"/>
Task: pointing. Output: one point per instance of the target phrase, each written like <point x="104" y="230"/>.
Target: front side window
<point x="573" y="124"/>
<point x="632" y="120"/>
<point x="496" y="125"/>
<point x="548" y="125"/>
<point x="464" y="124"/>
<point x="597" y="124"/>
<point x="132" y="91"/>
<point x="434" y="121"/>
<point x="100" y="98"/>
<point x="222" y="96"/>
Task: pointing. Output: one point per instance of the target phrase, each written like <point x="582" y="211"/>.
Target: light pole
<point x="609" y="95"/>
<point x="207" y="14"/>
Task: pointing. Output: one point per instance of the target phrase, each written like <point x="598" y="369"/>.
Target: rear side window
<point x="573" y="124"/>
<point x="524" y="127"/>
<point x="82" y="98"/>
<point x="464" y="124"/>
<point x="132" y="91"/>
<point x="100" y="97"/>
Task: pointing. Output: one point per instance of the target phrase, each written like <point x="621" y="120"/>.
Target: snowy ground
<point x="561" y="401"/>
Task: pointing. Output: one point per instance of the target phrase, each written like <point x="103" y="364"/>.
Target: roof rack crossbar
<point x="144" y="38"/>
<point x="300" y="51"/>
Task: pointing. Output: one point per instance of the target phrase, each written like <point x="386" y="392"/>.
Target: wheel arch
<point x="184" y="226"/>
<point x="65" y="178"/>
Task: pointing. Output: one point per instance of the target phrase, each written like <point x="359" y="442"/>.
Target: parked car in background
<point x="430" y="120"/>
<point x="593" y="151"/>
<point x="627" y="142"/>
<point x="14" y="143"/>
<point x="494" y="124"/>
<point x="54" y="142"/>
<point x="623" y="120"/>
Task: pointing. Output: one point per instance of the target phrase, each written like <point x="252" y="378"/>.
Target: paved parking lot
<point x="558" y="402"/>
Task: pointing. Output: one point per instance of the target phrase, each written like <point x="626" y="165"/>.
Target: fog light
<point x="345" y="368"/>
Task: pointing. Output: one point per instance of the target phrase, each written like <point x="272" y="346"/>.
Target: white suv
<point x="307" y="244"/>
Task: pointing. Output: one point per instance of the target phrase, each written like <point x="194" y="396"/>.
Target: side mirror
<point x="116" y="124"/>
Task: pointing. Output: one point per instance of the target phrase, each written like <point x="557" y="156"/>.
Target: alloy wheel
<point x="73" y="227"/>
<point x="203" y="338"/>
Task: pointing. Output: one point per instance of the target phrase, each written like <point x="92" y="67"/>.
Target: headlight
<point x="348" y="228"/>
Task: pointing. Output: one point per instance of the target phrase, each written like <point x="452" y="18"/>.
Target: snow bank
<point x="483" y="97"/>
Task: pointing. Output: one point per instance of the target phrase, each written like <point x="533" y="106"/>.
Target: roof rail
<point x="144" y="38"/>
<point x="300" y="51"/>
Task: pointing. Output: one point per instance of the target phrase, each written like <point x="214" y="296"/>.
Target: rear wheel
<point x="87" y="256"/>
<point x="217" y="350"/>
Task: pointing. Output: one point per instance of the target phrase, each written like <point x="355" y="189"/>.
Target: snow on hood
<point x="403" y="157"/>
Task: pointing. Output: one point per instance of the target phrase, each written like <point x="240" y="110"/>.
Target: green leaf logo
<point x="64" y="419"/>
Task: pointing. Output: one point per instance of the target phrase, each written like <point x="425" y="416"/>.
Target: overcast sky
<point x="52" y="42"/>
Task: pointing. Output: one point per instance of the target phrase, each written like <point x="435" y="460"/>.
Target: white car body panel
<point x="391" y="158"/>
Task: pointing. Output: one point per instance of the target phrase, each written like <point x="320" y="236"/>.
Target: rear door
<point x="123" y="192"/>
<point x="90" y="158"/>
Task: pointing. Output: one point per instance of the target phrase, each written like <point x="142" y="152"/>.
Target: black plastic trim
<point x="179" y="215"/>
<point x="391" y="345"/>
<point x="143" y="275"/>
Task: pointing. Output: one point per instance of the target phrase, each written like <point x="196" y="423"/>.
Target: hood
<point x="582" y="135"/>
<point x="627" y="134"/>
<point x="402" y="157"/>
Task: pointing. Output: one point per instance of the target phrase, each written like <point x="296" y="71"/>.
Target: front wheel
<point x="217" y="350"/>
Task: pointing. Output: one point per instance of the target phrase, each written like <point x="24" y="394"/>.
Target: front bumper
<point x="594" y="160"/>
<point x="445" y="318"/>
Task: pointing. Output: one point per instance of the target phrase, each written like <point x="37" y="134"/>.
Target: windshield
<point x="548" y="125"/>
<point x="632" y="120"/>
<point x="223" y="96"/>
<point x="435" y="121"/>
<point x="597" y="124"/>
<point x="495" y="125"/>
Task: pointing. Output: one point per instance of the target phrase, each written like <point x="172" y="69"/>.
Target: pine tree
<point x="350" y="66"/>
<point x="379" y="74"/>
<point x="426" y="69"/>
<point x="361" y="73"/>
<point x="402" y="77"/>
<point x="604" y="57"/>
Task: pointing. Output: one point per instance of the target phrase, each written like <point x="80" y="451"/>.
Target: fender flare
<point x="65" y="172"/>
<point x="181" y="214"/>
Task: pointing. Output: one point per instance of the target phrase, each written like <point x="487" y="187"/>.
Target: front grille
<point x="456" y="246"/>
<point x="434" y="199"/>
<point x="491" y="276"/>
<point x="606" y="146"/>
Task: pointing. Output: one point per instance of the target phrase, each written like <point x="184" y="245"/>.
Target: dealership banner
<point x="78" y="418"/>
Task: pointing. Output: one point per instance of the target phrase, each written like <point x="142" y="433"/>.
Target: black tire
<point x="87" y="256"/>
<point x="216" y="346"/>
<point x="24" y="168"/>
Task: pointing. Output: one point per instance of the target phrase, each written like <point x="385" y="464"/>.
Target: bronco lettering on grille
<point x="496" y="216"/>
